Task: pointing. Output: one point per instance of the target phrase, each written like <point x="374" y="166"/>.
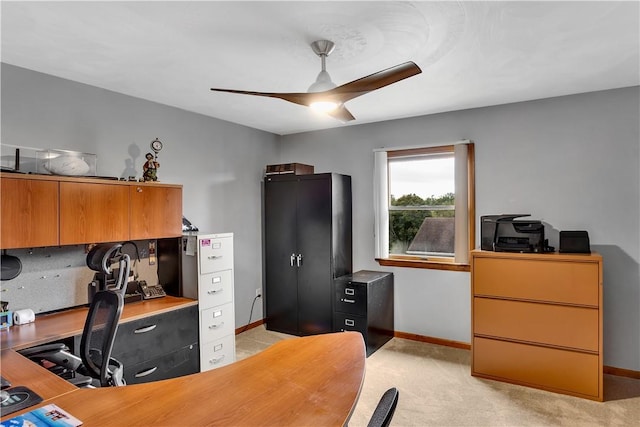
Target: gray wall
<point x="572" y="162"/>
<point x="219" y="164"/>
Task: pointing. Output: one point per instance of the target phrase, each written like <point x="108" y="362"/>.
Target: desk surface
<point x="309" y="381"/>
<point x="69" y="323"/>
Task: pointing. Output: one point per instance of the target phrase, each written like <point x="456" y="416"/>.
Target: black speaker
<point x="575" y="242"/>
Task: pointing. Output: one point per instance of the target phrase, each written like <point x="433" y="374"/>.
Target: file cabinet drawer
<point x="216" y="254"/>
<point x="538" y="280"/>
<point x="350" y="298"/>
<point x="350" y="322"/>
<point x="216" y="323"/>
<point x="218" y="353"/>
<point x="553" y="369"/>
<point x="575" y="327"/>
<point x="216" y="288"/>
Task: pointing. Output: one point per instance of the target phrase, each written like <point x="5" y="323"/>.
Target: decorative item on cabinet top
<point x="292" y="168"/>
<point x="66" y="163"/>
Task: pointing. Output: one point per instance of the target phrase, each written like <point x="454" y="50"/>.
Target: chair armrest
<point x="56" y="353"/>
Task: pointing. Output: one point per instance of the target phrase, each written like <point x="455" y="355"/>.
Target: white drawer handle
<point x="216" y="360"/>
<point x="145" y="373"/>
<point x="218" y="326"/>
<point x="350" y="301"/>
<point x="215" y="291"/>
<point x="145" y="329"/>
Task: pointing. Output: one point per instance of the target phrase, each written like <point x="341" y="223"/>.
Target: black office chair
<point x="384" y="411"/>
<point x="95" y="364"/>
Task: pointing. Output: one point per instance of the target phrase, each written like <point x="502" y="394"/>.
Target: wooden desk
<point x="308" y="381"/>
<point x="69" y="323"/>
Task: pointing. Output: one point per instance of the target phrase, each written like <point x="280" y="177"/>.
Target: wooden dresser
<point x="537" y="320"/>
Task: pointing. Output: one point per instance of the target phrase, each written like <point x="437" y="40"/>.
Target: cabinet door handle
<point x="139" y="190"/>
<point x="216" y="326"/>
<point x="216" y="360"/>
<point x="292" y="259"/>
<point x="214" y="256"/>
<point x="299" y="260"/>
<point x="145" y="329"/>
<point x="215" y="291"/>
<point x="350" y="301"/>
<point x="145" y="373"/>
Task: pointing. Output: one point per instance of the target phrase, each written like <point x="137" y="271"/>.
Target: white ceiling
<point x="472" y="53"/>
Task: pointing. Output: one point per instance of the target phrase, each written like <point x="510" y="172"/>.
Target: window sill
<point x="440" y="264"/>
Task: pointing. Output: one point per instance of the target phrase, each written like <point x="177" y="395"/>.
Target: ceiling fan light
<point x="324" y="106"/>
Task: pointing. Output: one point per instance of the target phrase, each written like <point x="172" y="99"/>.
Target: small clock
<point x="156" y="145"/>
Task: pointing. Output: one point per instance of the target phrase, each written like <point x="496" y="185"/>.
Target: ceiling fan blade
<point x="341" y="113"/>
<point x="374" y="81"/>
<point x="343" y="93"/>
<point x="302" y="98"/>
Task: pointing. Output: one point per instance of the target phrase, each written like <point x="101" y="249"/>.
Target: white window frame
<point x="464" y="206"/>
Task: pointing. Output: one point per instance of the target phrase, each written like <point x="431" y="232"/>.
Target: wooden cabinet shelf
<point x="44" y="210"/>
<point x="537" y="321"/>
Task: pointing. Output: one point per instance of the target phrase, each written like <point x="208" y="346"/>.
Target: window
<point x="425" y="206"/>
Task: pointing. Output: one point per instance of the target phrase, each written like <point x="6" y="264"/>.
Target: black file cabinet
<point x="364" y="303"/>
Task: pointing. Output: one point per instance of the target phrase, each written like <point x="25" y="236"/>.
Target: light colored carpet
<point x="437" y="389"/>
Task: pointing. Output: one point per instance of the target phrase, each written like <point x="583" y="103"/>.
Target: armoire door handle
<point x="299" y="260"/>
<point x="292" y="259"/>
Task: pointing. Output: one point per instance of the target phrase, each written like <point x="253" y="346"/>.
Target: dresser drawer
<point x="216" y="322"/>
<point x="555" y="369"/>
<point x="350" y="297"/>
<point x="575" y="327"/>
<point x="218" y="353"/>
<point x="215" y="289"/>
<point x="554" y="281"/>
<point x="183" y="361"/>
<point x="216" y="254"/>
<point x="153" y="336"/>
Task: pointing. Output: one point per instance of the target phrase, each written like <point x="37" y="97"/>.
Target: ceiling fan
<point x="326" y="96"/>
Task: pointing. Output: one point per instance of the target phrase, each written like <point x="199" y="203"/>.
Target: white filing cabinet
<point x="207" y="275"/>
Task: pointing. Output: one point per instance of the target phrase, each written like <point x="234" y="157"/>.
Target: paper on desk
<point x="46" y="416"/>
<point x="191" y="246"/>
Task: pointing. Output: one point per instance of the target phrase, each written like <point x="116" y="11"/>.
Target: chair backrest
<point x="386" y="407"/>
<point x="99" y="334"/>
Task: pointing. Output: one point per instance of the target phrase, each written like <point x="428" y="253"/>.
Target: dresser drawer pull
<point x="350" y="301"/>
<point x="145" y="329"/>
<point x="215" y="291"/>
<point x="349" y="291"/>
<point x="216" y="360"/>
<point x="349" y="322"/>
<point x="145" y="373"/>
<point x="218" y="326"/>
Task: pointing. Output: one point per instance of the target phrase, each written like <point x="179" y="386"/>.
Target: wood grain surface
<point x="308" y="381"/>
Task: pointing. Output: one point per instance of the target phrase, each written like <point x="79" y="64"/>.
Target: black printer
<point x="503" y="233"/>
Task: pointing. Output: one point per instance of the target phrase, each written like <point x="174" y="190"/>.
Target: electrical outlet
<point x="258" y="292"/>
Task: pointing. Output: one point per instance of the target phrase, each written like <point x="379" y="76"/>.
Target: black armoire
<point x="307" y="245"/>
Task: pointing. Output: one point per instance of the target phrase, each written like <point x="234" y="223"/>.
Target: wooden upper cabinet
<point x="45" y="210"/>
<point x="156" y="211"/>
<point x="29" y="213"/>
<point x="93" y="212"/>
